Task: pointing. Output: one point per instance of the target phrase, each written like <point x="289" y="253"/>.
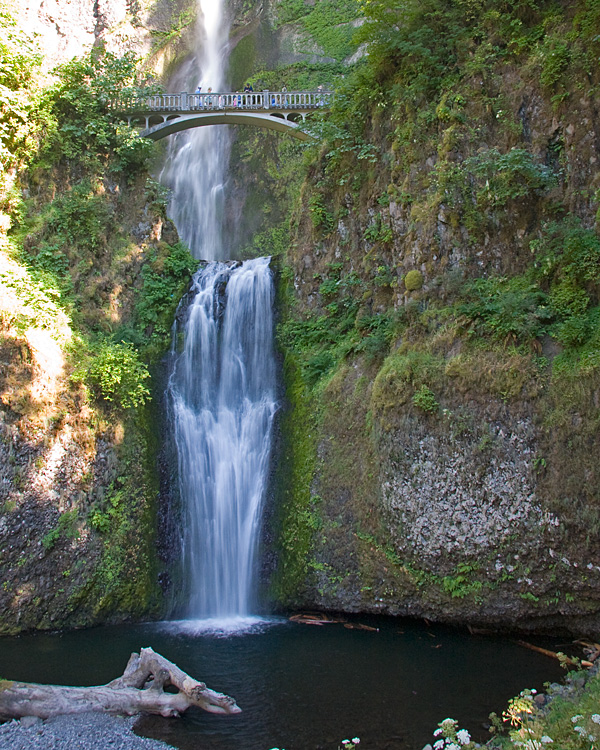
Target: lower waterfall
<point x="222" y="390"/>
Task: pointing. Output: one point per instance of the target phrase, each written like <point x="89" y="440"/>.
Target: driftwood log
<point x="140" y="689"/>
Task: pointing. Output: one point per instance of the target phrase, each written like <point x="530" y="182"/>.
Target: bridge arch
<point x="274" y="121"/>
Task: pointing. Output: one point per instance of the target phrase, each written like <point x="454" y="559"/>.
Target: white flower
<point x="595" y="718"/>
<point x="437" y="732"/>
<point x="546" y="740"/>
<point x="427" y="747"/>
<point x="580" y="731"/>
<point x="463" y="737"/>
<point x="438" y="745"/>
<point x="575" y="719"/>
<point x="452" y="746"/>
<point x="448" y="723"/>
<point x="356" y="740"/>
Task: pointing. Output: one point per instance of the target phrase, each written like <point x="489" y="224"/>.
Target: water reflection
<point x="302" y="687"/>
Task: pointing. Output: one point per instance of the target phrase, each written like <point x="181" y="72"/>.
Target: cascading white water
<point x="198" y="159"/>
<point x="222" y="384"/>
<point x="223" y="403"/>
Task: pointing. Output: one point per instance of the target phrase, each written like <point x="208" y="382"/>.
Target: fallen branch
<point x="320" y="619"/>
<point x="139" y="690"/>
<point x="552" y="654"/>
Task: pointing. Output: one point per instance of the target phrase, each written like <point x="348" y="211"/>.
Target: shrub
<point x="66" y="527"/>
<point x="425" y="400"/>
<point x="506" y="308"/>
<point x="567" y="249"/>
<point x="413" y="281"/>
<point x="504" y="177"/>
<point x="321" y="218"/>
<point x="117" y="374"/>
<point x="80" y="217"/>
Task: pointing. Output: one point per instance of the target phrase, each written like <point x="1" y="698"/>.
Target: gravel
<point x="88" y="731"/>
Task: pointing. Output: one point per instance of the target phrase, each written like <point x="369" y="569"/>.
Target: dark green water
<point x="303" y="687"/>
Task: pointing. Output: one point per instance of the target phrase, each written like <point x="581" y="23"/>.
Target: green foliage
<point x="272" y="242"/>
<point x="19" y="120"/>
<point x="555" y="55"/>
<point x="508" y="176"/>
<point x="81" y="125"/>
<point x="567" y="250"/>
<point x="163" y="284"/>
<point x="66" y="528"/>
<point x="117" y="374"/>
<point x="289" y="11"/>
<point x="42" y="300"/>
<point x="378" y="230"/>
<point x="377" y="333"/>
<point x="327" y="23"/>
<point x="80" y="217"/>
<point x="424" y="399"/>
<point x="321" y="217"/>
<point x="513" y="309"/>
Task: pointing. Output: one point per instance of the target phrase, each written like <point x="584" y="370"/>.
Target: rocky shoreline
<point x="88" y="731"/>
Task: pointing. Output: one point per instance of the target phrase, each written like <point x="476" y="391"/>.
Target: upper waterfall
<point x="197" y="161"/>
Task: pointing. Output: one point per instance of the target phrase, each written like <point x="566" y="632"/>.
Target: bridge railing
<point x="248" y="101"/>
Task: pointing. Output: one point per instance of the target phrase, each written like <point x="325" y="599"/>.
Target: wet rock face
<point x="447" y="494"/>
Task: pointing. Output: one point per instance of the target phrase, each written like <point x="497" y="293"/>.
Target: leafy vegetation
<point x="118" y="374"/>
<point x="83" y="261"/>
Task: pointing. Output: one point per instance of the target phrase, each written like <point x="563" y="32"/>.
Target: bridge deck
<point x="184" y="103"/>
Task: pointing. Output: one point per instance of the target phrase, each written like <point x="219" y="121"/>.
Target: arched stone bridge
<point x="162" y="115"/>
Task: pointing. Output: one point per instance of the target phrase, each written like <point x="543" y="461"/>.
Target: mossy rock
<point x="413" y="281"/>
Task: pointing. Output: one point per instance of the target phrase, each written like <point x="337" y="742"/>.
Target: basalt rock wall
<point x="446" y="428"/>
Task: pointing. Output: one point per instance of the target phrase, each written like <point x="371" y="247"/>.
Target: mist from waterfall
<point x="222" y="383"/>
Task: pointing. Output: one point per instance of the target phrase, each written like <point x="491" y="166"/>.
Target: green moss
<point x="413" y="280"/>
<point x="242" y="61"/>
<point x="401" y="373"/>
<point x="298" y="514"/>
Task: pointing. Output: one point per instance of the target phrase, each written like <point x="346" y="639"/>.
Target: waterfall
<point x="222" y="383"/>
<point x="197" y="159"/>
<point x="223" y="399"/>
